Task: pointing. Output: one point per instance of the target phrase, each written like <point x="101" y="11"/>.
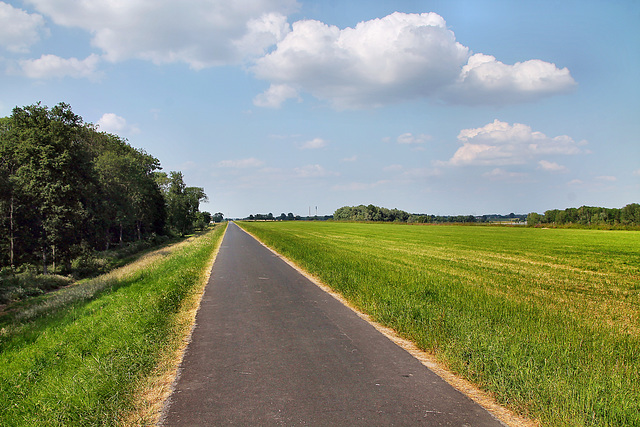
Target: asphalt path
<point x="272" y="348"/>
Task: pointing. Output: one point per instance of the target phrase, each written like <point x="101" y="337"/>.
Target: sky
<point x="456" y="107"/>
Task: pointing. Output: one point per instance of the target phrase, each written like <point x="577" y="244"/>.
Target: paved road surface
<point x="271" y="348"/>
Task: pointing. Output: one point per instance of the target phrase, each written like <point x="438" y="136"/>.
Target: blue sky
<point x="439" y="107"/>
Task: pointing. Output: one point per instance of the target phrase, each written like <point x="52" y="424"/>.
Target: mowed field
<point x="546" y="320"/>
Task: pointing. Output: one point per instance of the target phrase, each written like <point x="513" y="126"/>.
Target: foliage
<point x="182" y="204"/>
<point x="628" y="216"/>
<point x="370" y="213"/>
<point x="547" y="320"/>
<point x="28" y="283"/>
<point x="84" y="354"/>
<point x="379" y="214"/>
<point x="67" y="189"/>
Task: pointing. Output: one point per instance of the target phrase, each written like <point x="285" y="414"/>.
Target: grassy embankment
<point x="97" y="352"/>
<point x="548" y="321"/>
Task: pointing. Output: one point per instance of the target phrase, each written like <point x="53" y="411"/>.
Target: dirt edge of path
<point x="484" y="399"/>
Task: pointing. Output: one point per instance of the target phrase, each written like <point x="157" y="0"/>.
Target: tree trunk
<point x="11" y="236"/>
<point x="139" y="226"/>
<point x="44" y="260"/>
<point x="121" y="234"/>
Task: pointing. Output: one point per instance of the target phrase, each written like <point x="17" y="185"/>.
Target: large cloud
<point x="397" y="58"/>
<point x="200" y="33"/>
<point x="19" y="29"/>
<point x="500" y="144"/>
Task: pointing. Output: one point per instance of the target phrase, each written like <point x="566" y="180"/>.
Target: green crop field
<point x="546" y="320"/>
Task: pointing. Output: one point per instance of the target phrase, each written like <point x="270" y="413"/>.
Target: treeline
<point x="628" y="216"/>
<point x="585" y="216"/>
<point x="270" y="217"/>
<point x="286" y="217"/>
<point x="376" y="213"/>
<point x="67" y="189"/>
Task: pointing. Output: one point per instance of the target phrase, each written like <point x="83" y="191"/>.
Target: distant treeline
<point x="286" y="217"/>
<point x="375" y="213"/>
<point x="67" y="189"/>
<point x="628" y="216"/>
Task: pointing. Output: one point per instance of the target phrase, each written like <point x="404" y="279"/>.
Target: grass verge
<point x="548" y="321"/>
<point x="88" y="354"/>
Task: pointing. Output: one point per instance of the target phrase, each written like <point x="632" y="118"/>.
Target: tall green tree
<point x="52" y="173"/>
<point x="183" y="203"/>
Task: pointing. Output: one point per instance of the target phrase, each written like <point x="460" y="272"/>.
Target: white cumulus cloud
<point x="485" y="80"/>
<point x="112" y="123"/>
<point x="200" y="33"/>
<point x="19" y="29"/>
<point x="379" y="61"/>
<point x="499" y="144"/>
<point x="397" y="58"/>
<point x="52" y="66"/>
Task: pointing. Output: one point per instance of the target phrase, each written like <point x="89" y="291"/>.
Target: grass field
<point x="96" y="353"/>
<point x="548" y="321"/>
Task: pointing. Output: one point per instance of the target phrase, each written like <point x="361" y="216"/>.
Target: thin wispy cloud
<point x="552" y="166"/>
<point x="313" y="171"/>
<point x="410" y="139"/>
<point x="250" y="162"/>
<point x="313" y="144"/>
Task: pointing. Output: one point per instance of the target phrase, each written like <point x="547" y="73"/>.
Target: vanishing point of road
<point x="272" y="348"/>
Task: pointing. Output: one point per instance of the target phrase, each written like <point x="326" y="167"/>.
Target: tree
<point x="183" y="204"/>
<point x="630" y="214"/>
<point x="53" y="175"/>
<point x="132" y="201"/>
<point x="8" y="167"/>
<point x="534" y="219"/>
<point x="203" y="219"/>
